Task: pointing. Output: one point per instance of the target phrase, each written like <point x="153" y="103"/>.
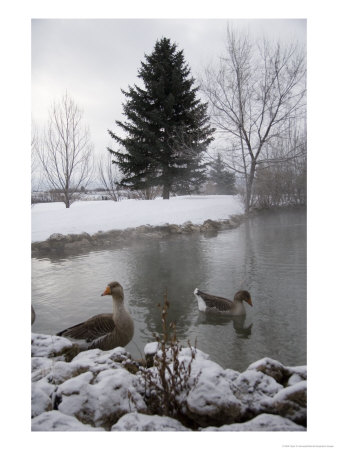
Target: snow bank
<point x="94" y="216"/>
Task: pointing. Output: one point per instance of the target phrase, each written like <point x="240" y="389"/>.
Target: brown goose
<point x="105" y="331"/>
<point x="211" y="303"/>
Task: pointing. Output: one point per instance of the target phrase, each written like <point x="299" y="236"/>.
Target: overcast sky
<point x="93" y="59"/>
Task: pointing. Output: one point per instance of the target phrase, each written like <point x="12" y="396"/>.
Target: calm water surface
<point x="266" y="256"/>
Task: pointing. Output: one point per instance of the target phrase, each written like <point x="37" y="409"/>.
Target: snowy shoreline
<point x="101" y="216"/>
<point x="99" y="390"/>
<point x="114" y="222"/>
<point x="75" y="243"/>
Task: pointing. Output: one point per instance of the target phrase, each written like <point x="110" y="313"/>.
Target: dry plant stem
<point x="168" y="382"/>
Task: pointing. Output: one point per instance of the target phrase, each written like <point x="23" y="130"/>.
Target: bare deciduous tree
<point x="66" y="152"/>
<point x="35" y="172"/>
<point x="254" y="94"/>
<point x="108" y="176"/>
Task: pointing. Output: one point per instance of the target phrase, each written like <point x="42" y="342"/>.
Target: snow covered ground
<point x="94" y="216"/>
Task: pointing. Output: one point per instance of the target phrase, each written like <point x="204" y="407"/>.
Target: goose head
<point x="241" y="296"/>
<point x="115" y="289"/>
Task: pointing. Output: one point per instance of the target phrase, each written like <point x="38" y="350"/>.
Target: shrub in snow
<point x="168" y="382"/>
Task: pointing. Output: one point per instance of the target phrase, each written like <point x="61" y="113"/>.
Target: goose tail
<point x="201" y="303"/>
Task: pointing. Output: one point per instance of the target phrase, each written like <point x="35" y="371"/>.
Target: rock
<point x="295" y="378"/>
<point x="50" y="346"/>
<point x="56" y="421"/>
<point x="41" y="400"/>
<point x="143" y="229"/>
<point x="142" y="422"/>
<point x="211" y="399"/>
<point x="40" y="367"/>
<point x="253" y="389"/>
<point x="56" y="237"/>
<point x="291" y="402"/>
<point x="224" y="224"/>
<point x="298" y="373"/>
<point x="272" y="368"/>
<point x="282" y="374"/>
<point x="100" y="400"/>
<point x="174" y="229"/>
<point x="210" y="226"/>
<point x="77" y="245"/>
<point x="189" y="227"/>
<point x="263" y="422"/>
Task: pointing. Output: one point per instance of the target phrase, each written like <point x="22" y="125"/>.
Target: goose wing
<point x="93" y="328"/>
<point x="212" y="301"/>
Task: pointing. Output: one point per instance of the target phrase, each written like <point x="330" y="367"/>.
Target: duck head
<point x="115" y="289"/>
<point x="241" y="296"/>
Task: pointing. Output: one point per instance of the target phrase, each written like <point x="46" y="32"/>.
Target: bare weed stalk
<point x="168" y="382"/>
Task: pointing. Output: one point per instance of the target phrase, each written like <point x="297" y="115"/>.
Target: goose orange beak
<point x="106" y="292"/>
<point x="249" y="301"/>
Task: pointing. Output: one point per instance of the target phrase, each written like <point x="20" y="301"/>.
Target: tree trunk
<point x="166" y="192"/>
<point x="66" y="200"/>
<point x="249" y="185"/>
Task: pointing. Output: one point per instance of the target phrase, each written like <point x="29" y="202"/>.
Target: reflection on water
<point x="266" y="255"/>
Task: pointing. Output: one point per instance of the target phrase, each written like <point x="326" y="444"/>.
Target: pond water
<point x="265" y="255"/>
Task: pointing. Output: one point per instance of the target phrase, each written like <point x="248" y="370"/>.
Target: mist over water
<point x="266" y="255"/>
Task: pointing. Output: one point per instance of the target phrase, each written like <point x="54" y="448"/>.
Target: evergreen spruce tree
<point x="167" y="128"/>
<point x="222" y="178"/>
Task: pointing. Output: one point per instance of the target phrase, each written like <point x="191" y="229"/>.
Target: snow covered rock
<point x="278" y="371"/>
<point x="272" y="368"/>
<point x="41" y="398"/>
<point x="95" y="387"/>
<point x="53" y="346"/>
<point x="101" y="399"/>
<point x="291" y="402"/>
<point x="253" y="389"/>
<point x="106" y="390"/>
<point x="298" y="373"/>
<point x="263" y="422"/>
<point x="211" y="398"/>
<point x="56" y="421"/>
<point x="142" y="422"/>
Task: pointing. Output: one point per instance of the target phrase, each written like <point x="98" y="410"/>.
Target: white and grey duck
<point x="105" y="331"/>
<point x="213" y="303"/>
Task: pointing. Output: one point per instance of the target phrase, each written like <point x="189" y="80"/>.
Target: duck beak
<point x="106" y="292"/>
<point x="249" y="301"/>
